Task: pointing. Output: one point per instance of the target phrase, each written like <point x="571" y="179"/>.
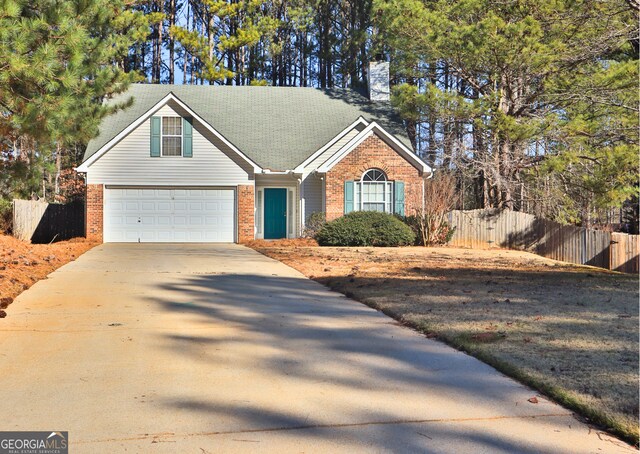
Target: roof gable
<point x="276" y="128"/>
<point x="389" y="139"/>
<point x="170" y="97"/>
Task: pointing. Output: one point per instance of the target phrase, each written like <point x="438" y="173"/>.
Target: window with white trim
<point x="171" y="136"/>
<point x="374" y="192"/>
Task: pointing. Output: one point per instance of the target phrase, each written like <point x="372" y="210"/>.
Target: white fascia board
<point x="278" y="172"/>
<point x="374" y="128"/>
<point x="84" y="167"/>
<point x="341" y="134"/>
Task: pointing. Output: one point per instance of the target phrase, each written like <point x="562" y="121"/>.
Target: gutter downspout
<point x="300" y="207"/>
<point x="424" y="181"/>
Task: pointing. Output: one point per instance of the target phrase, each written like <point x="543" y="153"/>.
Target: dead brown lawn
<point x="22" y="264"/>
<point x="569" y="331"/>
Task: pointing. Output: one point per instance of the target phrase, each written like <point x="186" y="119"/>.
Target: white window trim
<point x="341" y="134"/>
<point x="163" y="135"/>
<point x="389" y="188"/>
<point x="259" y="210"/>
<point x="292" y="208"/>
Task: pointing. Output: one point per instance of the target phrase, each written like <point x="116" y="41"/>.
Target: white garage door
<point x="169" y="215"/>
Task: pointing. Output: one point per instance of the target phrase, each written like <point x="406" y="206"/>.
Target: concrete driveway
<point x="216" y="348"/>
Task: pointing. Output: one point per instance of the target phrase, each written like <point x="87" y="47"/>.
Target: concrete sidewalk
<point x="216" y="348"/>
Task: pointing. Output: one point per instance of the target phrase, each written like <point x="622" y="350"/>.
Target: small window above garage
<point x="171" y="136"/>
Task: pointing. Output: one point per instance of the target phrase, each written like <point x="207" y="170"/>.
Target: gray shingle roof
<point x="276" y="127"/>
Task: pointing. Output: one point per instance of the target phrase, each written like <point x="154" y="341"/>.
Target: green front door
<point x="275" y="213"/>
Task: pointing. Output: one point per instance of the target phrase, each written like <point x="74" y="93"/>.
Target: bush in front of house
<point x="427" y="231"/>
<point x="366" y="228"/>
<point x="314" y="224"/>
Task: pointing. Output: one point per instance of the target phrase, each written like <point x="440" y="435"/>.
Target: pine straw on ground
<point x="569" y="331"/>
<point x="294" y="242"/>
<point x="22" y="264"/>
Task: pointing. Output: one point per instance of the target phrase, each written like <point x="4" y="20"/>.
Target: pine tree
<point x="500" y="78"/>
<point x="226" y="28"/>
<point x="60" y="59"/>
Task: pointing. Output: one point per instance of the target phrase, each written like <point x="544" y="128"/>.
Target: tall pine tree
<point x="60" y="59"/>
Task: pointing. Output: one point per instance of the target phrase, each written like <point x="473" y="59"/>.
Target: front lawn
<point x="569" y="331"/>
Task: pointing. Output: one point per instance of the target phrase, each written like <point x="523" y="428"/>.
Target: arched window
<point x="374" y="192"/>
<point x="374" y="175"/>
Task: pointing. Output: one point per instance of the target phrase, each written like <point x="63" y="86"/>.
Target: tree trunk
<point x="172" y="42"/>
<point x="56" y="189"/>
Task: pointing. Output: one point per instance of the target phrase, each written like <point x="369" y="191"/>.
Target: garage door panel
<point x="148" y="236"/>
<point x="212" y="221"/>
<point x="149" y="206"/>
<point x="129" y="236"/>
<point x="179" y="237"/>
<point x="165" y="236"/>
<point x="169" y="215"/>
<point x="147" y="221"/>
<point x="180" y="206"/>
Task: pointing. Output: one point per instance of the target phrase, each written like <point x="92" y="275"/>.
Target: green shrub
<point x="365" y="228"/>
<point x="314" y="223"/>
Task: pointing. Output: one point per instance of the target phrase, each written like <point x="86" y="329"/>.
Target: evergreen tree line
<point x="531" y="104"/>
<point x="316" y="43"/>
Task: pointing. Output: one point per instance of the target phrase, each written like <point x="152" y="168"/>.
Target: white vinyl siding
<point x="312" y="190"/>
<point x="275" y="181"/>
<point x="129" y="162"/>
<point x="319" y="160"/>
<point x="312" y="184"/>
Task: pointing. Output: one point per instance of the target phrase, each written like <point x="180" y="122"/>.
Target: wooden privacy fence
<point x="42" y="222"/>
<point x="522" y="231"/>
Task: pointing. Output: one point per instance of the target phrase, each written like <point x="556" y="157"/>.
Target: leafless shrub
<point x="439" y="198"/>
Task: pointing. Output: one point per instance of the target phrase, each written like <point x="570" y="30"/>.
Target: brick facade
<point x="246" y="213"/>
<point x="373" y="152"/>
<point x="93" y="214"/>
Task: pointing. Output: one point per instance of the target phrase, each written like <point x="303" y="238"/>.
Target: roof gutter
<point x="279" y="172"/>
